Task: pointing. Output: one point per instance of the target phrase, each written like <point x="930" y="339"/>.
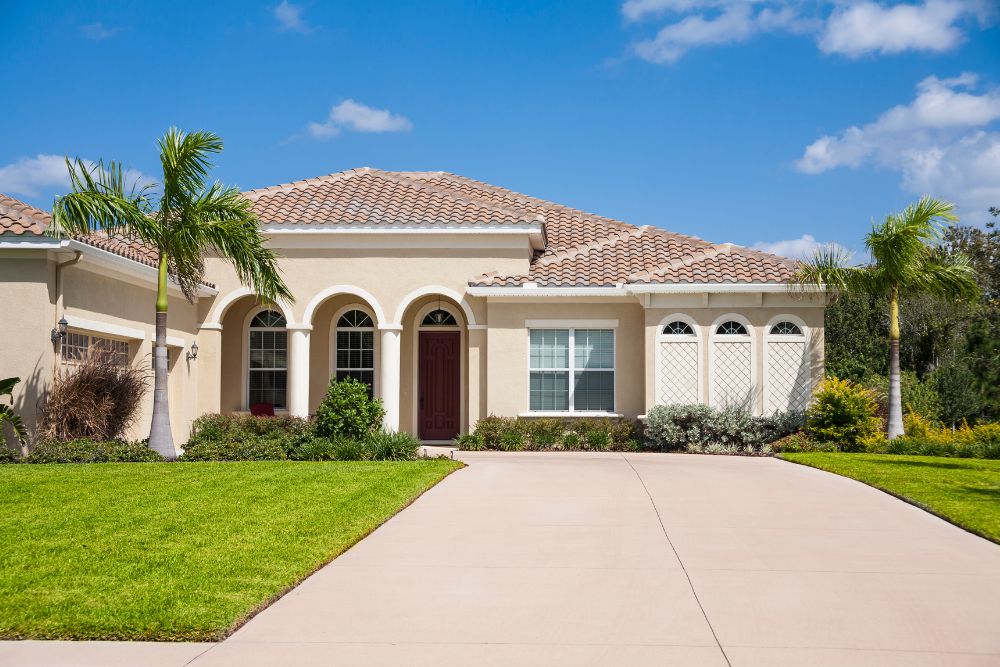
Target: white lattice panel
<point x="732" y="384"/>
<point x="677" y="373"/>
<point x="787" y="376"/>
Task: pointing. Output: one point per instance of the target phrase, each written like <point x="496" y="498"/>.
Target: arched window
<point x="355" y="348"/>
<point x="786" y="328"/>
<point x="268" y="363"/>
<point x="731" y="328"/>
<point x="678" y="328"/>
<point x="439" y="318"/>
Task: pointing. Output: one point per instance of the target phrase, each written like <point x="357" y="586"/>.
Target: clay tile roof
<point x="19" y="218"/>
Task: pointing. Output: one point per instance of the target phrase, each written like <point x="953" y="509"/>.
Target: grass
<point x="963" y="491"/>
<point x="179" y="552"/>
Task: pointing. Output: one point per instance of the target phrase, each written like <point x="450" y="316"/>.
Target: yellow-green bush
<point x="843" y="413"/>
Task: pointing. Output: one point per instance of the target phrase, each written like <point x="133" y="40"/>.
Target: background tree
<point x="184" y="217"/>
<point x="908" y="257"/>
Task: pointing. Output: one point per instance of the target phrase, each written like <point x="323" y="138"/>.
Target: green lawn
<point x="183" y="551"/>
<point x="964" y="491"/>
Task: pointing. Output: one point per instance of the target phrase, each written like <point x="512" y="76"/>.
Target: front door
<point x="439" y="382"/>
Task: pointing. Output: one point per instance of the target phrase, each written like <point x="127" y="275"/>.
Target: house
<point x="453" y="299"/>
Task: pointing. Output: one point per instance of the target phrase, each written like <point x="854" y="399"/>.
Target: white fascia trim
<point x="571" y="324"/>
<point x="74" y="322"/>
<point x="127" y="266"/>
<point x="442" y="228"/>
<point x="716" y="288"/>
<point x="33" y="242"/>
<point x="546" y="291"/>
<point x="570" y="413"/>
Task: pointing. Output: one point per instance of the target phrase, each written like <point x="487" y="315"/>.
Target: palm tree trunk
<point x="895" y="386"/>
<point x="161" y="439"/>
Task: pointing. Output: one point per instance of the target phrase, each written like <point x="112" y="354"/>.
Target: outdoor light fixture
<point x="193" y="352"/>
<point x="60" y="331"/>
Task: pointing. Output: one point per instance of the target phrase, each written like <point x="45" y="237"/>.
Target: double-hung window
<point x="571" y="370"/>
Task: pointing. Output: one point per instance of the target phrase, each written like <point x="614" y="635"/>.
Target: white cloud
<point x="30" y="177"/>
<point x="867" y="27"/>
<point x="358" y="117"/>
<point x="943" y="143"/>
<point x="803" y="247"/>
<point x="97" y="31"/>
<point x="289" y="17"/>
<point x="840" y="27"/>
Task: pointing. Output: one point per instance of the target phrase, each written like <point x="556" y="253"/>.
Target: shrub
<point x="245" y="448"/>
<point x="702" y="429"/>
<point x="470" y="442"/>
<point x="8" y="455"/>
<point x="571" y="441"/>
<point x="236" y="426"/>
<point x="384" y="446"/>
<point x="801" y="442"/>
<point x="920" y="396"/>
<point x="512" y="440"/>
<point x="347" y="411"/>
<point x="491" y="428"/>
<point x="544" y="433"/>
<point x="97" y="399"/>
<point x="843" y="413"/>
<point x="597" y="439"/>
<point x="84" y="450"/>
<point x="512" y="434"/>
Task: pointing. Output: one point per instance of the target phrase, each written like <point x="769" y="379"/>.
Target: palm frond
<point x="946" y="275"/>
<point x="829" y="269"/>
<point x="102" y="200"/>
<point x="222" y="219"/>
<point x="185" y="160"/>
<point x="900" y="242"/>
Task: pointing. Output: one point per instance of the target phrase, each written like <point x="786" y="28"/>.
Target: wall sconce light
<point x="60" y="331"/>
<point x="193" y="352"/>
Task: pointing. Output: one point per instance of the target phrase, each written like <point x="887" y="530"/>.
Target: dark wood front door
<point x="439" y="396"/>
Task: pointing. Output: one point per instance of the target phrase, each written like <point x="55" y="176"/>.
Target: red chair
<point x="262" y="410"/>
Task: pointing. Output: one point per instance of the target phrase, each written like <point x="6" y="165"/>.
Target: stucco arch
<point x="214" y="320"/>
<point x="336" y="290"/>
<point x="428" y="290"/>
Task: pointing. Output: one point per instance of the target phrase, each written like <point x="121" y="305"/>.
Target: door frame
<point x="462" y="361"/>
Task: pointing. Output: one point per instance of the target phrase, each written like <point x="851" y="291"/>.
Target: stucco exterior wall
<point x="25" y="349"/>
<point x="507" y="350"/>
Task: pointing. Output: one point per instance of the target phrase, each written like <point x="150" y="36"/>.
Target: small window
<point x="76" y="347"/>
<point x="439" y="318"/>
<point x="678" y="328"/>
<point x="786" y="329"/>
<point x="268" y="319"/>
<point x="355" y="348"/>
<point x="355" y="319"/>
<point x="731" y="328"/>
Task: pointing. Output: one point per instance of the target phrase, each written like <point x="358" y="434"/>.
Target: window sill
<point x="569" y="413"/>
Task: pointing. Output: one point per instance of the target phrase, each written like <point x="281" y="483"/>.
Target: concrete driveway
<point x="642" y="559"/>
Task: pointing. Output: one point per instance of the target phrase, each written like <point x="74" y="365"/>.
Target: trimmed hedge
<point x="91" y="451"/>
<point x="511" y="434"/>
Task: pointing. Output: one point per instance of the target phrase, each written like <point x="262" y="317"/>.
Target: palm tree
<point x="907" y="258"/>
<point x="190" y="218"/>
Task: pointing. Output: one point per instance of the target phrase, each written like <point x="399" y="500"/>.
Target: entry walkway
<point x="641" y="559"/>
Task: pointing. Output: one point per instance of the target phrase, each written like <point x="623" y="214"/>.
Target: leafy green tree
<point x="184" y="218"/>
<point x="907" y="258"/>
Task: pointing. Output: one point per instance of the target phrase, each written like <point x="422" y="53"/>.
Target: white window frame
<point x="334" y="368"/>
<point x="246" y="355"/>
<point x="571" y="370"/>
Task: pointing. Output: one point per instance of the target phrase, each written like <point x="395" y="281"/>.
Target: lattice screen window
<point x="76" y="346"/>
<point x="355" y="348"/>
<point x="788" y="383"/>
<point x="732" y="375"/>
<point x="677" y="373"/>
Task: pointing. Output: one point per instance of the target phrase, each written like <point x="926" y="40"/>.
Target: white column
<point x="298" y="371"/>
<point x="389" y="377"/>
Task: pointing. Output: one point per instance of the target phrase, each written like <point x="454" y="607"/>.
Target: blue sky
<point x="734" y="120"/>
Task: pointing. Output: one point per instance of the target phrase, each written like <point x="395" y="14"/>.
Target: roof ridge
<point x="304" y="182"/>
<point x="399" y="176"/>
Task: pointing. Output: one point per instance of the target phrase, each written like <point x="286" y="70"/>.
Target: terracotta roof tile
<point x="19" y="218"/>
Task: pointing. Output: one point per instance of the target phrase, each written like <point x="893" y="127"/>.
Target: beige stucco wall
<point x="507" y="350"/>
<point x="25" y="349"/>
